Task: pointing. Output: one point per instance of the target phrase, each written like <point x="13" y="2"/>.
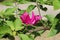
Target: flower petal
<point x="24" y="17"/>
<point x="38" y="17"/>
<point x="27" y="21"/>
<point x="33" y="18"/>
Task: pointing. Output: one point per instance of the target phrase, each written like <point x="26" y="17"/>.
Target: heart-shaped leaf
<point x="18" y="24"/>
<point x="10" y="24"/>
<point x="5" y="29"/>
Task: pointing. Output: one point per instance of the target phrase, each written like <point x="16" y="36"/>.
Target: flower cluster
<point x="26" y="19"/>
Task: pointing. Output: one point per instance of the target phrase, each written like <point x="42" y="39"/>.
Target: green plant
<point x="11" y="24"/>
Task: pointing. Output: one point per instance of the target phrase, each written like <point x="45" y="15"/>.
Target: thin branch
<point x="38" y="29"/>
<point x="39" y="11"/>
<point x="16" y="12"/>
<point x="38" y="7"/>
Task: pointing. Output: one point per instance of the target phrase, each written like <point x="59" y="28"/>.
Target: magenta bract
<point x="26" y="19"/>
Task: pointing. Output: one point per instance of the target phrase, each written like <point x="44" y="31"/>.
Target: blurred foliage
<point x="12" y="25"/>
<point x="54" y="3"/>
<point x="54" y="21"/>
<point x="9" y="24"/>
<point x="29" y="9"/>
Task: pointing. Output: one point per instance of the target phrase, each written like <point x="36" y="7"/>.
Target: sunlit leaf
<point x="24" y="37"/>
<point x="2" y="12"/>
<point x="41" y="1"/>
<point x="56" y="4"/>
<point x="53" y="31"/>
<point x="7" y="3"/>
<point x="21" y="12"/>
<point x="22" y="1"/>
<point x="31" y="36"/>
<point x="30" y="8"/>
<point x="50" y="17"/>
<point x="9" y="11"/>
<point x="41" y="31"/>
<point x="5" y="29"/>
<point x="18" y="24"/>
<point x="10" y="24"/>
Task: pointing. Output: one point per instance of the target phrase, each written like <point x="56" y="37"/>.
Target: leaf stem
<point x="38" y="7"/>
<point x="38" y="29"/>
<point x="39" y="11"/>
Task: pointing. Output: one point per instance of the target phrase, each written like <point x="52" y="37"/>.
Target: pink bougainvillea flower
<point x="26" y="19"/>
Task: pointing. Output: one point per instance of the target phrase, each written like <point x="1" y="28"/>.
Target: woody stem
<point x="38" y="7"/>
<point x="39" y="11"/>
<point x="38" y="29"/>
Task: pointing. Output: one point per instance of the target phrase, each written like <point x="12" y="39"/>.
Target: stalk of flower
<point x="37" y="5"/>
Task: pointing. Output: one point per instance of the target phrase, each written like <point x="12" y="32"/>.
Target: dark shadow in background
<point x="10" y="18"/>
<point x="1" y="0"/>
<point x="58" y="25"/>
<point x="9" y="36"/>
<point x="36" y="33"/>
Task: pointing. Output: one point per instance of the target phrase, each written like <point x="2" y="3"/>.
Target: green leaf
<point x="21" y="12"/>
<point x="41" y="31"/>
<point x="50" y="17"/>
<point x="53" y="21"/>
<point x="7" y="3"/>
<point x="53" y="31"/>
<point x="1" y="35"/>
<point x="5" y="29"/>
<point x="30" y="8"/>
<point x="10" y="24"/>
<point x="22" y="1"/>
<point x="2" y="12"/>
<point x="24" y="37"/>
<point x="56" y="4"/>
<point x="9" y="11"/>
<point x="18" y="24"/>
<point x="31" y="36"/>
<point x="41" y="1"/>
